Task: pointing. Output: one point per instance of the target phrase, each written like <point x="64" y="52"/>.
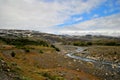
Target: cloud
<point x="44" y="15"/>
<point x="41" y="14"/>
<point x="107" y="33"/>
<point x="95" y="15"/>
<point x="104" y="25"/>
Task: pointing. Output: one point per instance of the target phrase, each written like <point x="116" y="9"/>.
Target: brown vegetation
<point x="46" y="66"/>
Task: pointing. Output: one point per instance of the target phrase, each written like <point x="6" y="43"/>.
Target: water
<point x="96" y="62"/>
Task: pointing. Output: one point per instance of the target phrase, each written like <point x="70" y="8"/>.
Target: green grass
<point x="97" y="42"/>
<point x="48" y="76"/>
<point x="22" y="42"/>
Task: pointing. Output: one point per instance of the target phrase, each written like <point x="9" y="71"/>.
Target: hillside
<point x="37" y="63"/>
<point x="31" y="55"/>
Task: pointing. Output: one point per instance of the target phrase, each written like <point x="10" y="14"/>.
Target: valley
<point x="45" y="56"/>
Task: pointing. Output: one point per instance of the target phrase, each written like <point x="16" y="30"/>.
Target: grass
<point x="40" y="51"/>
<point x="108" y="53"/>
<point x="25" y="78"/>
<point x="51" y="77"/>
<point x="27" y="64"/>
<point x="103" y="42"/>
<point x="18" y="42"/>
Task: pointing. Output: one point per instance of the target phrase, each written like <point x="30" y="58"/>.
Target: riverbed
<point x="110" y="69"/>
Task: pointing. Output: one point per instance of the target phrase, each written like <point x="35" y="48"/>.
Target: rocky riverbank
<point x="100" y="65"/>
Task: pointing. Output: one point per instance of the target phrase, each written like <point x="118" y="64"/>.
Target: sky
<point x="73" y="17"/>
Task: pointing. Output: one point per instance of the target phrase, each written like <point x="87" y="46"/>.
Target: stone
<point x="106" y="73"/>
<point x="8" y="70"/>
<point x="90" y="64"/>
<point x="114" y="66"/>
<point x="74" y="60"/>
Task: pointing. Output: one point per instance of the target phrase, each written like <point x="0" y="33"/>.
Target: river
<point x="110" y="67"/>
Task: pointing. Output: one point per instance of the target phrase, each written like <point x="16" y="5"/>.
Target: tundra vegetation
<point x="37" y="59"/>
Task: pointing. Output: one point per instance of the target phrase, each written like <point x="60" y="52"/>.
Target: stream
<point x="109" y="66"/>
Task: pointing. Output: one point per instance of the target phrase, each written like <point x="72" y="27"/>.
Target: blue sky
<point x="74" y="17"/>
<point x="107" y="8"/>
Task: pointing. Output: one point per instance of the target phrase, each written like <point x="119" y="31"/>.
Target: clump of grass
<point x="40" y="51"/>
<point x="48" y="76"/>
<point x="1" y="58"/>
<point x="27" y="50"/>
<point x="24" y="78"/>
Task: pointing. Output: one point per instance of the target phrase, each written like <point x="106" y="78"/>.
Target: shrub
<point x="110" y="44"/>
<point x="41" y="51"/>
<point x="27" y="50"/>
<point x="52" y="46"/>
<point x="13" y="54"/>
<point x="24" y="78"/>
<point x="22" y="42"/>
<point x="79" y="44"/>
<point x="51" y="77"/>
<point x="57" y="49"/>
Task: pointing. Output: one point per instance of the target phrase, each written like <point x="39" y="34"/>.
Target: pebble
<point x="77" y="69"/>
<point x="74" y="60"/>
<point x="106" y="73"/>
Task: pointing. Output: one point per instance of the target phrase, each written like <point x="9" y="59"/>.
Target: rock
<point x="77" y="69"/>
<point x="114" y="57"/>
<point x="116" y="61"/>
<point x="8" y="70"/>
<point x="90" y="64"/>
<point x="74" y="60"/>
<point x="62" y="73"/>
<point x="80" y="61"/>
<point x="114" y="66"/>
<point x="2" y="61"/>
<point x="106" y="73"/>
<point x="59" y="65"/>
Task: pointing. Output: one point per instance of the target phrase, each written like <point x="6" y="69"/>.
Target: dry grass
<point x="54" y="65"/>
<point x="108" y="53"/>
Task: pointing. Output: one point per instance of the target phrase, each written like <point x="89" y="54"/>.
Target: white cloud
<point x="44" y="14"/>
<point x="107" y="33"/>
<point x="95" y="15"/>
<point x="78" y="19"/>
<point x="40" y="14"/>
<point x="109" y="25"/>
